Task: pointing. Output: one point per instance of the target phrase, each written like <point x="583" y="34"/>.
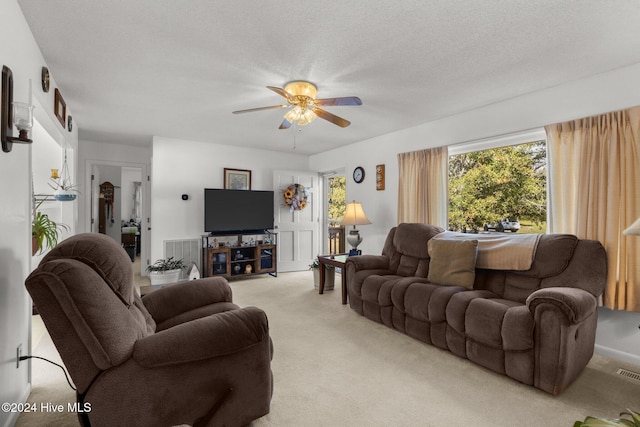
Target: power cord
<point x="53" y="363"/>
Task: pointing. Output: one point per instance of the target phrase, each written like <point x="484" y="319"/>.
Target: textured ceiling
<point x="129" y="70"/>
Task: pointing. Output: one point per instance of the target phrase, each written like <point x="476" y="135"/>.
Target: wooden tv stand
<point x="239" y="255"/>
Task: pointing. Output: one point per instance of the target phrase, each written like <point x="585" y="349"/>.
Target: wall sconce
<point x="19" y="114"/>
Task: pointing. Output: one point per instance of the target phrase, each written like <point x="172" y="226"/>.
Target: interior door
<point x="298" y="240"/>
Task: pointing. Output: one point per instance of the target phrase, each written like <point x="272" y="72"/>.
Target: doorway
<point x="335" y="184"/>
<point x="120" y="212"/>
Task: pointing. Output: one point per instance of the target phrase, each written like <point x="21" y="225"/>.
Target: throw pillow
<point x="453" y="262"/>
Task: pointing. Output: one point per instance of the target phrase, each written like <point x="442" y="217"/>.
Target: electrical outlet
<point x="18" y="355"/>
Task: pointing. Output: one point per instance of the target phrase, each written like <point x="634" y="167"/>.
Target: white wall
<point x="48" y="156"/>
<point x="610" y="91"/>
<point x="188" y="167"/>
<point x="19" y="52"/>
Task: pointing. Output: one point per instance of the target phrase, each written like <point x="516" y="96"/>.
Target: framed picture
<point x="237" y="179"/>
<point x="379" y="177"/>
<point x="60" y="108"/>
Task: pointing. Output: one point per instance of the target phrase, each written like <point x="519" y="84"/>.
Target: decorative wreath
<point x="295" y="196"/>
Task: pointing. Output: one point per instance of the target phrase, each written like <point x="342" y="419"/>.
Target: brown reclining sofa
<point x="536" y="325"/>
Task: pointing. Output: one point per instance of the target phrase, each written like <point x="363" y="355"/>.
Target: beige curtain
<point x="594" y="193"/>
<point x="423" y="186"/>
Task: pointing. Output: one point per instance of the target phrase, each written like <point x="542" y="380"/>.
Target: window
<point x="501" y="189"/>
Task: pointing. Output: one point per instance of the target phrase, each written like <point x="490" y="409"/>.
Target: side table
<point x="335" y="260"/>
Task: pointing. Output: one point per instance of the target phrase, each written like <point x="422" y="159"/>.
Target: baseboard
<point x="13" y="416"/>
<point x="634" y="359"/>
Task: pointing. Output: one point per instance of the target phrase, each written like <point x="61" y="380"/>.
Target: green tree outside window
<point x="337" y="195"/>
<point x="508" y="182"/>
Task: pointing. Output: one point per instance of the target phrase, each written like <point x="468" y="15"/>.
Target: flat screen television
<point x="237" y="211"/>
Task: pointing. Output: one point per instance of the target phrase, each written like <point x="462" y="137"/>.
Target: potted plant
<point x="315" y="267"/>
<point x="165" y="271"/>
<point x="603" y="422"/>
<point x="44" y="232"/>
<point x="329" y="279"/>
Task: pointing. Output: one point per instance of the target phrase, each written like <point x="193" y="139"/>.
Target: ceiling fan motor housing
<point x="302" y="88"/>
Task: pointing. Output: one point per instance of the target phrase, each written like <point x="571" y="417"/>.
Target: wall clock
<point x="45" y="79"/>
<point x="358" y="174"/>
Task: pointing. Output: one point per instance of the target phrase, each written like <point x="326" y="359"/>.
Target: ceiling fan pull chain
<point x="295" y="134"/>
<point x="296" y="129"/>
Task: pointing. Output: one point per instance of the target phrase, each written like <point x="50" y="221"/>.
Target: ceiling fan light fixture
<point x="293" y="114"/>
<point x="307" y="117"/>
<point x="303" y="116"/>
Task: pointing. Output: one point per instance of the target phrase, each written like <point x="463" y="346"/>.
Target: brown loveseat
<point x="184" y="354"/>
<point x="536" y="325"/>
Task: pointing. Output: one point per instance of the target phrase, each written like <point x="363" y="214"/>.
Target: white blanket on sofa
<point x="497" y="251"/>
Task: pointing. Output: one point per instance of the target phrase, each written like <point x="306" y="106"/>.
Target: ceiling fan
<point x="302" y="96"/>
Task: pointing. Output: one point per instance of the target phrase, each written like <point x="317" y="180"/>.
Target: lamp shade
<point x="634" y="229"/>
<point x="354" y="215"/>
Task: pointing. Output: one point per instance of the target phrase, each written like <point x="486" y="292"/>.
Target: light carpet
<point x="332" y="367"/>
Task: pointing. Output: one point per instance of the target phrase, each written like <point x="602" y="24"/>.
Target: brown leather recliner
<point x="184" y="354"/>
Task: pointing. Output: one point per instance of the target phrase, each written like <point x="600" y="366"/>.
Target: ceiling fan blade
<point x="332" y="118"/>
<point x="251" y="110"/>
<point x="346" y="100"/>
<point x="281" y="92"/>
<point x="286" y="124"/>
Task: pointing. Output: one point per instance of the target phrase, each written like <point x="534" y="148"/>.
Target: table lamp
<point x="354" y="215"/>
